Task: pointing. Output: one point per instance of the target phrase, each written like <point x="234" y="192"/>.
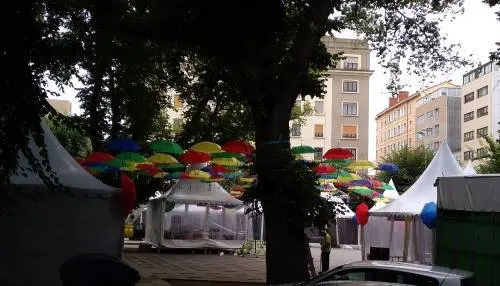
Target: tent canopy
<point x="67" y="170"/>
<point x="391" y="194"/>
<point x="188" y="191"/>
<point x="469" y="169"/>
<point x="423" y="190"/>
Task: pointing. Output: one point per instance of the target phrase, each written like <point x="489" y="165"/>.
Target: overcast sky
<point x="475" y="30"/>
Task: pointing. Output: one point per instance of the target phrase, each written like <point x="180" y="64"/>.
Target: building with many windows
<point x="438" y="118"/>
<point x="340" y="118"/>
<point x="480" y="109"/>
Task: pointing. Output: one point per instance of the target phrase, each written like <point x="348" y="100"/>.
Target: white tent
<point x="391" y="194"/>
<point x="204" y="215"/>
<point x="389" y="226"/>
<point x="43" y="228"/>
<point x="469" y="169"/>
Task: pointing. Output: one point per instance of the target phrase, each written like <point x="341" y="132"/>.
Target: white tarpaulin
<point x="469" y="169"/>
<point x="386" y="228"/>
<point x="46" y="227"/>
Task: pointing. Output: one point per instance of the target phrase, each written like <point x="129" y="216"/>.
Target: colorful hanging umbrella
<point x="362" y="165"/>
<point x="382" y="200"/>
<point x="362" y="182"/>
<point x="388" y="167"/>
<point x="338" y="153"/>
<point x="324" y="169"/>
<point x="376" y="183"/>
<point x="226" y="155"/>
<point x="119" y="163"/>
<point x="363" y="191"/>
<point x="385" y="186"/>
<point x="175" y="167"/>
<point x="129" y="169"/>
<point x="194" y="157"/>
<point x="339" y="163"/>
<point x="166" y="146"/>
<point x="197" y="174"/>
<point x="206" y="147"/>
<point x="98" y="157"/>
<point x="122" y="145"/>
<point x="175" y="175"/>
<point x="246" y="181"/>
<point x="219" y="169"/>
<point x="212" y="180"/>
<point x="328" y="176"/>
<point x="355" y="176"/>
<point x="159" y="158"/>
<point x="232" y="175"/>
<point x="160" y="175"/>
<point x="238" y="146"/>
<point x="131" y="157"/>
<point x="303" y="149"/>
<point x="227" y="162"/>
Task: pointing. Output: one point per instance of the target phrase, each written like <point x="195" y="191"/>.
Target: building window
<point x="354" y="152"/>
<point x="468" y="116"/>
<point x="178" y="104"/>
<point x="482" y="111"/>
<point x="436" y="145"/>
<point x="421" y="134"/>
<point x="436" y="113"/>
<point x="420" y="120"/>
<point x="482" y="91"/>
<point x="466" y="79"/>
<point x="468" y="136"/>
<point x="429" y="114"/>
<point x="436" y="129"/>
<point x="482" y="152"/>
<point x="351" y="63"/>
<point x="469" y="97"/>
<point x="349" y="108"/>
<point x="350" y="86"/>
<point x="349" y="131"/>
<point x="318" y="130"/>
<point x="318" y="107"/>
<point x="468" y="155"/>
<point x="318" y="153"/>
<point x="295" y="129"/>
<point x="429" y="131"/>
<point x="482" y="132"/>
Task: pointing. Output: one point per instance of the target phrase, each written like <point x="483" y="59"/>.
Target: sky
<point x="474" y="31"/>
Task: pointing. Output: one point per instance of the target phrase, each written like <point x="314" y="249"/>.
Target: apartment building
<point x="60" y="105"/>
<point x="480" y="109"/>
<point x="340" y="118"/>
<point x="438" y="118"/>
<point x="396" y="124"/>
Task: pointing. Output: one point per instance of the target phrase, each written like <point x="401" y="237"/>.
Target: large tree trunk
<point x="286" y="253"/>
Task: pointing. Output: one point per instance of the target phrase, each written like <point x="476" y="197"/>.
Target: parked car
<point x="359" y="283"/>
<point x="396" y="272"/>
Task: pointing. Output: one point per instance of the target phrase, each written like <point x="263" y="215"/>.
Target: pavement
<point x="162" y="269"/>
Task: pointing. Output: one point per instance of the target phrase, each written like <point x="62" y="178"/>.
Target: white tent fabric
<point x="45" y="231"/>
<point x="68" y="171"/>
<point x="196" y="192"/>
<point x="378" y="205"/>
<point x="385" y="227"/>
<point x="423" y="190"/>
<point x="391" y="194"/>
<point x="469" y="169"/>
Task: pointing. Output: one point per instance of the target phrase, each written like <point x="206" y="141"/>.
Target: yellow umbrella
<point x="206" y="147"/>
<point x="361" y="165"/>
<point x="227" y="162"/>
<point x="160" y="175"/>
<point x="298" y="157"/>
<point x="355" y="176"/>
<point x="382" y="200"/>
<point x="326" y="181"/>
<point x="198" y="174"/>
<point x="162" y="159"/>
<point x="345" y="179"/>
<point x="129" y="169"/>
<point x="246" y="180"/>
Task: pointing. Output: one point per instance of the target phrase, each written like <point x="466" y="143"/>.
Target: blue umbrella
<point x="429" y="215"/>
<point x="328" y="176"/>
<point x="388" y="167"/>
<point x="122" y="145"/>
<point x="362" y="183"/>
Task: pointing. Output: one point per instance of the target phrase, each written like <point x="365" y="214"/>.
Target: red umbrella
<point x="324" y="169"/>
<point x="238" y="146"/>
<point x="98" y="157"/>
<point x="194" y="157"/>
<point x="338" y="154"/>
<point x="148" y="167"/>
<point x="376" y="183"/>
<point x="219" y="169"/>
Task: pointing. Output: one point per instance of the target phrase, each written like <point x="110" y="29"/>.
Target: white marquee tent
<point x="469" y="169"/>
<point x="204" y="215"/>
<point x="43" y="228"/>
<point x="397" y="225"/>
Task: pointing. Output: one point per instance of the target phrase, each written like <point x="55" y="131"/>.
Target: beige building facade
<point x="60" y="105"/>
<point x="480" y="110"/>
<point x="340" y="118"/>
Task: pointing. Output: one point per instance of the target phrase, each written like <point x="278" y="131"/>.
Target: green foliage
<point x="300" y="113"/>
<point x="490" y="164"/>
<point x="72" y="139"/>
<point x="411" y="162"/>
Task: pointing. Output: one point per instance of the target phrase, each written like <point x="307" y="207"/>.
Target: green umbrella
<point x="119" y="163"/>
<point x="131" y="157"/>
<point x="175" y="167"/>
<point x="166" y="146"/>
<point x="343" y="174"/>
<point x="364" y="191"/>
<point x="385" y="187"/>
<point x="227" y="155"/>
<point x="340" y="163"/>
<point x="303" y="149"/>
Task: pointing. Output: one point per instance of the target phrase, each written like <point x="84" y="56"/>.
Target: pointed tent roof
<point x="67" y="170"/>
<point x="189" y="191"/>
<point x="423" y="190"/>
<point x="469" y="169"/>
<point x="391" y="194"/>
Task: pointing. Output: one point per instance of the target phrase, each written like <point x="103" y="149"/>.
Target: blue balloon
<point x="429" y="215"/>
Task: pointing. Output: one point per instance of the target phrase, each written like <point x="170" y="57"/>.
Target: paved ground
<point x="198" y="269"/>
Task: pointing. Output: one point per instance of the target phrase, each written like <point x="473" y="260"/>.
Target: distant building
<point x="61" y="105"/>
<point x="480" y="109"/>
<point x="340" y="119"/>
<point x="438" y="118"/>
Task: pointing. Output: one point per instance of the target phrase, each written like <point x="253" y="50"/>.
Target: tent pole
<point x="362" y="238"/>
<point x="262" y="228"/>
<point x="391" y="233"/>
<point x="406" y="239"/>
<point x="162" y="213"/>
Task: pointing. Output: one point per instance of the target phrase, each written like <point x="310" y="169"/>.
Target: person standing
<point x="326" y="247"/>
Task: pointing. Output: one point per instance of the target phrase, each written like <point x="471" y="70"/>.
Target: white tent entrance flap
<point x="397" y="225"/>
<point x="197" y="215"/>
